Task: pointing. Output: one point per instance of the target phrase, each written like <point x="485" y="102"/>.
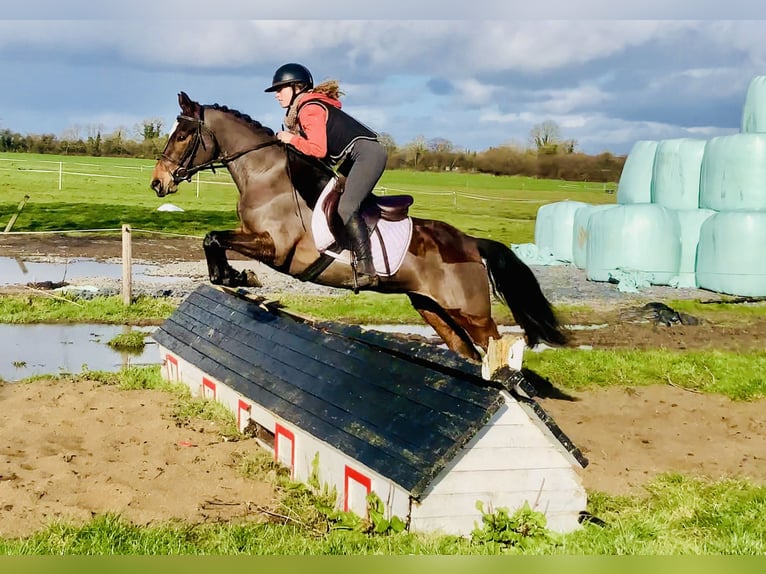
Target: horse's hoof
<point x="250" y="279"/>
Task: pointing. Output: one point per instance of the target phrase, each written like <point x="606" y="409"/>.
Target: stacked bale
<point x="580" y="232"/>
<point x="641" y="239"/>
<point x="553" y="228"/>
<point x="730" y="255"/>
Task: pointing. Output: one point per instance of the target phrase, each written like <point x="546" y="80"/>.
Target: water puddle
<point x="30" y="350"/>
<point x="22" y="271"/>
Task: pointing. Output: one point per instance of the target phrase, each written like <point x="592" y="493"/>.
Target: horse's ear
<point x="186" y="103"/>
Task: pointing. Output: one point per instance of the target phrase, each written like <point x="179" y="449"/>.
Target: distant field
<point x="79" y="193"/>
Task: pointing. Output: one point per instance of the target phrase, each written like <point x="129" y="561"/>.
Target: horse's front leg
<point x="258" y="246"/>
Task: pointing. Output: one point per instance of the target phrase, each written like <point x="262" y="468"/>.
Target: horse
<point x="449" y="276"/>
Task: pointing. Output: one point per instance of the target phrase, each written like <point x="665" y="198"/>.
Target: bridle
<point x="185" y="170"/>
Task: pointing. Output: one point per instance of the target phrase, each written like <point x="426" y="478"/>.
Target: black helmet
<point x="291" y="74"/>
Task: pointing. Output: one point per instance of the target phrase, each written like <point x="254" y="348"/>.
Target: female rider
<point x="316" y="126"/>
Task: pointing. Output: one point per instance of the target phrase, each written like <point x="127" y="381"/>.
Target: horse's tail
<point x="513" y="281"/>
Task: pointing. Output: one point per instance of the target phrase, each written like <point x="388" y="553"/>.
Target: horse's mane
<point x="236" y="113"/>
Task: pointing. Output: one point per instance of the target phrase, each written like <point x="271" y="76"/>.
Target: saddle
<point x="373" y="209"/>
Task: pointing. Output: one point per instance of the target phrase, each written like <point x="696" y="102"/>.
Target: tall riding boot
<point x="360" y="245"/>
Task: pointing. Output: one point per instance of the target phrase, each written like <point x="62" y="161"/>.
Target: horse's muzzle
<point x="162" y="190"/>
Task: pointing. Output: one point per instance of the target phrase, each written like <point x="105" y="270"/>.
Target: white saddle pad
<point x="395" y="235"/>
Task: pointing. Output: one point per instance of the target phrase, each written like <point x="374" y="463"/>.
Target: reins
<point x="184" y="172"/>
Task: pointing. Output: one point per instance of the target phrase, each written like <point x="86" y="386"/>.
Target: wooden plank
<point x="464" y="504"/>
<point x="520" y="435"/>
<point x="488" y="459"/>
<point x="503" y="479"/>
<point x="442" y="360"/>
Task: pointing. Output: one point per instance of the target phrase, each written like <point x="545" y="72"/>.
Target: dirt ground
<point x="71" y="451"/>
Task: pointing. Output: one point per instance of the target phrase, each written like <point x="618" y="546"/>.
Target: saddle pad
<point x="396" y="237"/>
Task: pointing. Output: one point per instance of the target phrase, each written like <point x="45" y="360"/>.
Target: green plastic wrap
<point x="733" y="173"/>
<point x="676" y="173"/>
<point x="690" y="222"/>
<point x="635" y="185"/>
<point x="731" y="257"/>
<point x="580" y="232"/>
<point x="642" y="239"/>
<point x="754" y="112"/>
<point x="553" y="228"/>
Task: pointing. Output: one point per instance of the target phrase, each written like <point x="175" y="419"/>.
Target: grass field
<point x="82" y="193"/>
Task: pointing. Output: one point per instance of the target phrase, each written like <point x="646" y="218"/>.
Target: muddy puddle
<point x="32" y="350"/>
<point x="18" y="271"/>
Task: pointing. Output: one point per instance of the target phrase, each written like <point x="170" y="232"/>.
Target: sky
<point x="479" y="74"/>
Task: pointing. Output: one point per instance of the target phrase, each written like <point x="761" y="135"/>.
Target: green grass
<point x="364" y="308"/>
<point x="739" y="376"/>
<point x="27" y="309"/>
<point x="677" y="516"/>
<point x="134" y="341"/>
<point x="498" y="207"/>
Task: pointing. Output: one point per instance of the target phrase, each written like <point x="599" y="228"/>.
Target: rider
<point x="317" y="126"/>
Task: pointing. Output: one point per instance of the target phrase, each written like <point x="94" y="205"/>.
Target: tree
<point x="150" y="129"/>
<point x="415" y="150"/>
<point x="387" y="141"/>
<point x="440" y="145"/>
<point x="545" y="135"/>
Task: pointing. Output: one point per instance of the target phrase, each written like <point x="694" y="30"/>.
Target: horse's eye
<point x="182" y="137"/>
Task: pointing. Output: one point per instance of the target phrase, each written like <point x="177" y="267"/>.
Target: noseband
<point x="185" y="170"/>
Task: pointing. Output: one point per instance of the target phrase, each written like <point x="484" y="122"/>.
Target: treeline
<point x="112" y="145"/>
<point x="511" y="160"/>
<point x="551" y="160"/>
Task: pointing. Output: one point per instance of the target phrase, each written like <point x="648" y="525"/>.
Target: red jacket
<point x="313" y="122"/>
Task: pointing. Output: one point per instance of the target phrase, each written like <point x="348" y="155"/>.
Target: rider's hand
<point x="284" y="137"/>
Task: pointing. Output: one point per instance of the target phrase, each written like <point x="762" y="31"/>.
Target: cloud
<point x="482" y="79"/>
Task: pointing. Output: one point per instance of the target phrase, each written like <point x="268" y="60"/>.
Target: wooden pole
<point x="127" y="264"/>
<point x="16" y="215"/>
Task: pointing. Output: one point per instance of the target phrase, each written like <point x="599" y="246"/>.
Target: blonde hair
<point x="329" y="88"/>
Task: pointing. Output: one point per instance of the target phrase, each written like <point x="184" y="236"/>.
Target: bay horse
<point x="449" y="276"/>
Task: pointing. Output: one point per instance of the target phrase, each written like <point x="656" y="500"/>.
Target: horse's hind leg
<point x="220" y="271"/>
<point x="448" y="329"/>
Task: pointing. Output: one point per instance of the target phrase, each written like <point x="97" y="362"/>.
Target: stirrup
<point x="363" y="279"/>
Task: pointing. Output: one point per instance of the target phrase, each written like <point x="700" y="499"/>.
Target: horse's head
<point x="191" y="146"/>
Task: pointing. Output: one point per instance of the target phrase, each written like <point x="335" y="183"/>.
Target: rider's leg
<point x="368" y="161"/>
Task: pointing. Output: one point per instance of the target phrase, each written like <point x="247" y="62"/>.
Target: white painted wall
<point x="511" y="460"/>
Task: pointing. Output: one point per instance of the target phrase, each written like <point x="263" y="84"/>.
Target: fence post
<point x="61" y="174"/>
<point x="127" y="264"/>
<point x="15" y="216"/>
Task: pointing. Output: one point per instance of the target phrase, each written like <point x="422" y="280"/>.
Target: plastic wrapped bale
<point x="733" y="173"/>
<point x="639" y="240"/>
<point x="754" y="111"/>
<point x="690" y="222"/>
<point x="553" y="228"/>
<point x="676" y="173"/>
<point x="635" y="185"/>
<point x="731" y="257"/>
<point x="580" y="232"/>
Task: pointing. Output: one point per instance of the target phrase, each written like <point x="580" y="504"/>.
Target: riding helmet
<point x="291" y="74"/>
